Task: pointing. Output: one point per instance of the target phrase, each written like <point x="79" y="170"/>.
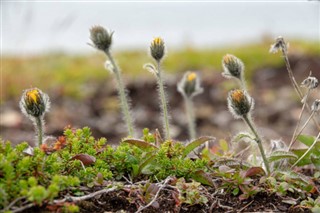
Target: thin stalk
<point x="259" y="142"/>
<point x="299" y="120"/>
<point x="191" y="119"/>
<point x="295" y="84"/>
<point x="304" y="126"/>
<point x="311" y="147"/>
<point x="39" y="129"/>
<point x="162" y="94"/>
<point x="291" y="76"/>
<point x="122" y="95"/>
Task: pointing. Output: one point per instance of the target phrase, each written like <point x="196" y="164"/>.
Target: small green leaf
<point x="192" y="145"/>
<point x="235" y="192"/>
<point x="146" y="163"/>
<point x="315" y="160"/>
<point x="306" y="160"/>
<point x="135" y="170"/>
<point x="281" y="155"/>
<point x="202" y="177"/>
<point x="306" y="139"/>
<point x="140" y="143"/>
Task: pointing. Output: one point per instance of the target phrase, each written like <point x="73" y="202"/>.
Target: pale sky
<point x="36" y="27"/>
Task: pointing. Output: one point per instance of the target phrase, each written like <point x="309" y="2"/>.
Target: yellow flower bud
<point x="232" y="66"/>
<point x="239" y="103"/>
<point x="33" y="96"/>
<point x="157" y="48"/>
<point x="34" y="102"/>
<point x="191" y="76"/>
<point x="189" y="85"/>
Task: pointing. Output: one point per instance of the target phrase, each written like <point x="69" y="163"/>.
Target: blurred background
<point x="45" y="45"/>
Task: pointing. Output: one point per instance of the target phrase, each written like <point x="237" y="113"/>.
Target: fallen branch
<point x="85" y="197"/>
<point x="12" y="203"/>
<point x="22" y="208"/>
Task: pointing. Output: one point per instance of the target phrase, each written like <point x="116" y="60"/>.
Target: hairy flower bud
<point x="157" y="48"/>
<point x="101" y="38"/>
<point x="232" y="66"/>
<point x="310" y="82"/>
<point x="189" y="86"/>
<point x="239" y="103"/>
<point x="34" y="103"/>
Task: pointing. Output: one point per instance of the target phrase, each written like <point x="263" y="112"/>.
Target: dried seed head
<point x="239" y="103"/>
<point x="280" y="44"/>
<point x="189" y="86"/>
<point x="101" y="38"/>
<point x="157" y="49"/>
<point x="310" y="82"/>
<point x="34" y="103"/>
<point x="232" y="66"/>
<point x="316" y="105"/>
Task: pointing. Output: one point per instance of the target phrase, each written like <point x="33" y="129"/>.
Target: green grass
<point x="69" y="74"/>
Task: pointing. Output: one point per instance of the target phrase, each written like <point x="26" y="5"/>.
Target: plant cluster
<point x="75" y="164"/>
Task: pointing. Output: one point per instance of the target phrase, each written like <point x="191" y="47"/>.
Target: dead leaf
<point x="85" y="159"/>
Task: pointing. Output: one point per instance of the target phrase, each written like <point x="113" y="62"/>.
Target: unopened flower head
<point x="310" y="82"/>
<point x="232" y="66"/>
<point x="34" y="102"/>
<point x="157" y="48"/>
<point x="101" y="38"/>
<point x="189" y="86"/>
<point x="280" y="44"/>
<point x="316" y="105"/>
<point x="239" y="103"/>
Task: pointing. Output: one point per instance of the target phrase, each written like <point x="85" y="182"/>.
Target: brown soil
<point x="117" y="201"/>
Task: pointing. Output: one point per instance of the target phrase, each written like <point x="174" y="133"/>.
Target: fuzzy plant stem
<point x="191" y="119"/>
<point x="122" y="95"/>
<point x="295" y="84"/>
<point x="39" y="129"/>
<point x="248" y="121"/>
<point x="294" y="136"/>
<point x="305" y="154"/>
<point x="162" y="94"/>
<point x="291" y="76"/>
<point x="242" y="83"/>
